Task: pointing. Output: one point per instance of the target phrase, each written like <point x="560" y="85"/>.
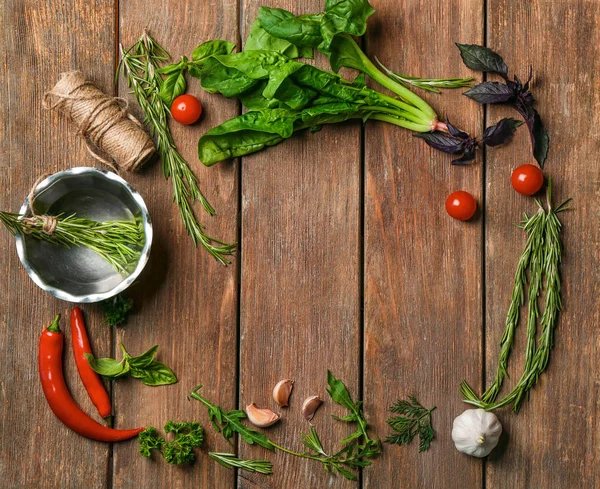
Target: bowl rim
<point x="144" y="256"/>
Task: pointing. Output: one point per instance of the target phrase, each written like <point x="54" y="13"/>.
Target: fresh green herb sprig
<point x="355" y="454"/>
<point x="428" y="84"/>
<point x="230" y="461"/>
<point x="140" y="65"/>
<point x="178" y="451"/>
<point x="117" y="242"/>
<point x="413" y="419"/>
<point x="116" y="310"/>
<point x="541" y="257"/>
<point x="142" y="367"/>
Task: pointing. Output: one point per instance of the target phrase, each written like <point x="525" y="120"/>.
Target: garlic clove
<point x="282" y="391"/>
<point x="261" y="417"/>
<point x="310" y="406"/>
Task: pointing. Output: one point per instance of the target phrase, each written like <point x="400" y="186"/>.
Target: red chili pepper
<point x="91" y="380"/>
<point x="58" y="396"/>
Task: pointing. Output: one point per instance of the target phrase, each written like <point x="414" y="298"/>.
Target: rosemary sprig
<point x="413" y="419"/>
<point x="117" y="242"/>
<point x="230" y="461"/>
<point x="427" y="84"/>
<point x="140" y="64"/>
<point x="357" y="448"/>
<point x="542" y="257"/>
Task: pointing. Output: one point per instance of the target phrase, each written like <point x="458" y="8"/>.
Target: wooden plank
<point x="552" y="442"/>
<point x="300" y="282"/>
<point x="40" y="40"/>
<point x="423" y="303"/>
<point x="188" y="302"/>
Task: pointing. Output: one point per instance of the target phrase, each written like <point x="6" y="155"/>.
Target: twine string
<point x="102" y="121"/>
<point x="47" y="223"/>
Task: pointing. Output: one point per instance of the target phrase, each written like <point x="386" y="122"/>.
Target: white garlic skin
<point x="476" y="432"/>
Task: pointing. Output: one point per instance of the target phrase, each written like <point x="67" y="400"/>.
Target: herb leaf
<point x="211" y="48"/>
<point x="481" y="58"/>
<point x="108" y="367"/>
<point x="443" y="142"/>
<point x="540" y="140"/>
<point x="501" y="133"/>
<point x="178" y="451"/>
<point x="116" y="310"/>
<point x="413" y="419"/>
<point x="173" y="86"/>
<point x="154" y="374"/>
<point x="230" y="461"/>
<point x="490" y="93"/>
<point x="150" y="440"/>
<point x="142" y="360"/>
<point x="228" y="423"/>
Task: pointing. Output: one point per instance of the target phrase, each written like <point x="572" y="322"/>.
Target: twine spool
<point x="102" y="120"/>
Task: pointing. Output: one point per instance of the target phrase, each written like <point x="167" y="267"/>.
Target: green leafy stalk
<point x="428" y="84"/>
<point x="140" y="64"/>
<point x="414" y="419"/>
<point x="117" y="242"/>
<point x="116" y="310"/>
<point x="230" y="461"/>
<point x="142" y="367"/>
<point x="542" y="257"/>
<point x="357" y="448"/>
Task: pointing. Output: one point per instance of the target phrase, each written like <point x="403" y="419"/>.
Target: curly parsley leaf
<point x="116" y="310"/>
<point x="178" y="451"/>
<point x="150" y="440"/>
<point x="413" y="419"/>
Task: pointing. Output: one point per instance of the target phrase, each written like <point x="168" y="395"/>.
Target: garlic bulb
<point x="261" y="417"/>
<point x="476" y="432"/>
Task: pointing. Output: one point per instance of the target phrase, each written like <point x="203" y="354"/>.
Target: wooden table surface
<point x="347" y="261"/>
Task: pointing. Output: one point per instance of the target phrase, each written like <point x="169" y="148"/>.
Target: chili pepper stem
<point x="54" y="328"/>
<point x="109" y="420"/>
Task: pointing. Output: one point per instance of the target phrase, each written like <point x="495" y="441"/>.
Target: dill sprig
<point x="230" y="461"/>
<point x="427" y="84"/>
<point x="413" y="419"/>
<point x="117" y="242"/>
<point x="140" y="65"/>
<point x="541" y="258"/>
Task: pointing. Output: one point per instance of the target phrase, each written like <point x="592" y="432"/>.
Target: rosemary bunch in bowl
<point x="140" y="65"/>
<point x="117" y="242"/>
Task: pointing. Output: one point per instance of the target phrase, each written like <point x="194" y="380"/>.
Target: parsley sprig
<point x="178" y="451"/>
<point x="358" y="448"/>
<point x="413" y="419"/>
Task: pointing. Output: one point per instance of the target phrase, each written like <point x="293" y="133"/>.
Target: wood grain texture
<point x="300" y="282"/>
<point x="40" y="40"/>
<point x="189" y="301"/>
<point x="423" y="302"/>
<point x="553" y="441"/>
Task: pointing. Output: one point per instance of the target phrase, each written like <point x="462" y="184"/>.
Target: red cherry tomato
<point x="527" y="179"/>
<point x="186" y="109"/>
<point x="461" y="205"/>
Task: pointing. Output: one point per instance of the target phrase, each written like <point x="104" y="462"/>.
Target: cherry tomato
<point x="186" y="109"/>
<point x="461" y="205"/>
<point x="527" y="179"/>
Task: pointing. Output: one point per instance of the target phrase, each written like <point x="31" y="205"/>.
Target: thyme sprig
<point x="140" y="65"/>
<point x="355" y="453"/>
<point x="541" y="258"/>
<point x="117" y="242"/>
<point x="230" y="461"/>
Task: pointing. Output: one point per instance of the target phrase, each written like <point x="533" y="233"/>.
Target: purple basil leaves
<point x="454" y="143"/>
<point x="500" y="133"/>
<point x="512" y="93"/>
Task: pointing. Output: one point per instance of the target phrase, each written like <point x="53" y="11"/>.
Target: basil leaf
<point x="172" y="87"/>
<point x="540" y="140"/>
<point x="467" y="157"/>
<point x="481" y="58"/>
<point x="500" y="133"/>
<point x="211" y="48"/>
<point x="443" y="142"/>
<point x="144" y="359"/>
<point x="173" y="67"/>
<point x="156" y="373"/>
<point x="490" y="93"/>
<point x="108" y="367"/>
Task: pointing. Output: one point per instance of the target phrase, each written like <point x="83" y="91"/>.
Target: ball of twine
<point x="102" y="120"/>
